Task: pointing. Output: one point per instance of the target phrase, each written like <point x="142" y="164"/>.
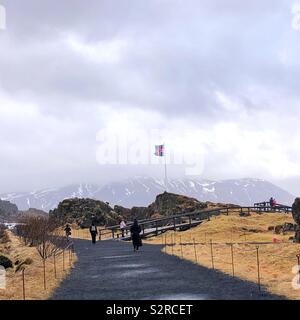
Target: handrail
<point x="267" y="203"/>
<point x="142" y="222"/>
<point x="188" y="214"/>
<point x="208" y="212"/>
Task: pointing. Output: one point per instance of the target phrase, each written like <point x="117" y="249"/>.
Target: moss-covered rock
<point x="5" y="262"/>
<point x="83" y="212"/>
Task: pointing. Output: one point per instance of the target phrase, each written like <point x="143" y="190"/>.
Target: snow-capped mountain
<point x="141" y="191"/>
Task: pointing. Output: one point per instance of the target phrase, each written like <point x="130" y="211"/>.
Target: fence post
<point x="258" y="270"/>
<point x="54" y="261"/>
<point x="174" y="224"/>
<point x="232" y="261"/>
<point x="156" y="227"/>
<point x="23" y="279"/>
<point x="165" y="243"/>
<point x="69" y="257"/>
<point x="195" y="249"/>
<point x="212" y="254"/>
<point x="181" y="248"/>
<point x="298" y="257"/>
<point x="100" y="234"/>
<point x="64" y="260"/>
<point x="44" y="267"/>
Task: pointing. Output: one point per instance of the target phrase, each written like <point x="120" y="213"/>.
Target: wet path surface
<point x="111" y="270"/>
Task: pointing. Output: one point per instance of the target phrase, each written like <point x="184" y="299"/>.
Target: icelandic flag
<point x="160" y="150"/>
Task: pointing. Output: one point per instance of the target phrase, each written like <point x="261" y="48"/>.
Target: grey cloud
<point x="178" y="54"/>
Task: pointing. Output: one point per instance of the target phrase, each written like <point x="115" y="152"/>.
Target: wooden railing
<point x="266" y="206"/>
<point x="186" y="220"/>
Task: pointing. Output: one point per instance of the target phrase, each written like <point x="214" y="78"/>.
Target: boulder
<point x="289" y="227"/>
<point x="244" y="214"/>
<point x="278" y="229"/>
<point x="5" y="262"/>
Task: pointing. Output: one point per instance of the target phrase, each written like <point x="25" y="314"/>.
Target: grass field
<point x="228" y="243"/>
<point x="84" y="234"/>
<point x="34" y="273"/>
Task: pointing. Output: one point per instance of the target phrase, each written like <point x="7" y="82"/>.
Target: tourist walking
<point x="123" y="227"/>
<point x="94" y="232"/>
<point x="135" y="230"/>
<point x="68" y="232"/>
<point x="271" y="203"/>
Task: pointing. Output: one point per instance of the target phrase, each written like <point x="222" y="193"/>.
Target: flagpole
<point x="166" y="176"/>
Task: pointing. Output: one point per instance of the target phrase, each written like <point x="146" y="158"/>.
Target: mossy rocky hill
<point x="8" y="210"/>
<point x="83" y="211"/>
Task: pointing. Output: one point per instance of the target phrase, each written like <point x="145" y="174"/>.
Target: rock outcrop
<point x="296" y="216"/>
<point x="83" y="211"/>
<point x="33" y="212"/>
<point x="167" y="204"/>
<point x="5" y="262"/>
<point x="8" y="210"/>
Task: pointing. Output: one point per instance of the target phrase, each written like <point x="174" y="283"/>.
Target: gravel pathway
<point x="110" y="270"/>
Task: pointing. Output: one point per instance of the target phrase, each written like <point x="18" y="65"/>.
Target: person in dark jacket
<point x="94" y="232"/>
<point x="271" y="203"/>
<point x="68" y="232"/>
<point x="135" y="235"/>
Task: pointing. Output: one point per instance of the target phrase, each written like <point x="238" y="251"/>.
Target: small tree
<point x="41" y="233"/>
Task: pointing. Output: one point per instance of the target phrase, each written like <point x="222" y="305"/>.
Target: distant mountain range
<point x="141" y="191"/>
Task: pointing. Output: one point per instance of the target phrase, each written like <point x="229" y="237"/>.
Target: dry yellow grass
<point x="276" y="259"/>
<point x="34" y="279"/>
<point x="84" y="234"/>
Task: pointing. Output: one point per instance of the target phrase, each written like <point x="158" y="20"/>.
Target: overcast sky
<point x="217" y="81"/>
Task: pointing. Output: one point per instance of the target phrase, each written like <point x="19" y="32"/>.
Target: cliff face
<point x="8" y="211"/>
<point x="83" y="212"/>
<point x="166" y="204"/>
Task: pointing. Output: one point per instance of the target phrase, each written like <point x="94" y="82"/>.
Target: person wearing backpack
<point x="94" y="232"/>
<point x="68" y="232"/>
